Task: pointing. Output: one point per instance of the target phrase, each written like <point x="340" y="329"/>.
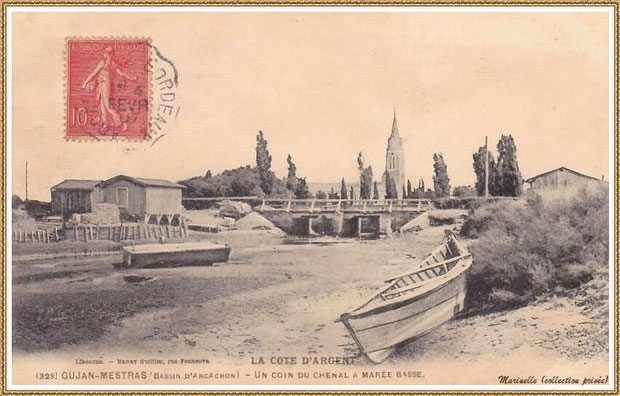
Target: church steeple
<point x="395" y="157"/>
<point x="394" y="133"/>
<point x="395" y="142"/>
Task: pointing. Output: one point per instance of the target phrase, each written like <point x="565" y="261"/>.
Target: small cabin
<point x="75" y="196"/>
<point x="151" y="201"/>
<point x="561" y="178"/>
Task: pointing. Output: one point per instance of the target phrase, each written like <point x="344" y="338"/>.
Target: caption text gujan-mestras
<point x="258" y="368"/>
<point x="265" y="368"/>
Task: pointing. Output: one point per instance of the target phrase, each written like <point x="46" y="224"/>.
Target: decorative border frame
<point x="306" y="3"/>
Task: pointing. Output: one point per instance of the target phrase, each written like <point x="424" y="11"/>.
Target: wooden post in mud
<point x="339" y="222"/>
<point x="486" y="167"/>
<point x="359" y="226"/>
<point x="26" y="181"/>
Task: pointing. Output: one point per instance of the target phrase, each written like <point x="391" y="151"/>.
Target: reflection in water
<point x="313" y="241"/>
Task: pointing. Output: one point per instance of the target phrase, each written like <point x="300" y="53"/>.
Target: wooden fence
<point x="124" y="232"/>
<point x="36" y="236"/>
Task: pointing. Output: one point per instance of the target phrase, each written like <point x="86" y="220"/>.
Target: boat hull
<point x="377" y="332"/>
<point x="175" y="258"/>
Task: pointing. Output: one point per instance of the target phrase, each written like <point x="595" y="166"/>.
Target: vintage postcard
<point x="319" y="198"/>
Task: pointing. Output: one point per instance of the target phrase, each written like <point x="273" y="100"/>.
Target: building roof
<point x="75" y="184"/>
<point x="560" y="169"/>
<point x="143" y="182"/>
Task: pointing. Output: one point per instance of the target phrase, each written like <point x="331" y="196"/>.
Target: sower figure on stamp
<point x="107" y="116"/>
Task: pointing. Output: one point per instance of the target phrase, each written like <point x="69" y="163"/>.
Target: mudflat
<point x="278" y="297"/>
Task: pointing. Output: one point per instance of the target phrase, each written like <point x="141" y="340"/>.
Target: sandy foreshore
<point x="279" y="298"/>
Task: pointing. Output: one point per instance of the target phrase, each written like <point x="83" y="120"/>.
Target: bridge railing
<point x="338" y="205"/>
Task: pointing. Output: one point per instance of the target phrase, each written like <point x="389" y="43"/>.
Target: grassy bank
<point x="549" y="243"/>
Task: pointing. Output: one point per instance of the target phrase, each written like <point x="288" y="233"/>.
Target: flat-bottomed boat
<point x="413" y="303"/>
<point x="174" y="254"/>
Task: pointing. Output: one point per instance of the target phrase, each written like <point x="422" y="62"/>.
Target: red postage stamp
<point x="107" y="88"/>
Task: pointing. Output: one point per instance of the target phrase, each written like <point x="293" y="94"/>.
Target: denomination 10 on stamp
<point x="107" y="88"/>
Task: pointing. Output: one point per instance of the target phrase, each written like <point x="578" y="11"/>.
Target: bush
<point x="37" y="209"/>
<point x="453" y="203"/>
<point x="464" y="191"/>
<point x="495" y="214"/>
<point x="547" y="243"/>
<point x="240" y="182"/>
<point x="16" y="201"/>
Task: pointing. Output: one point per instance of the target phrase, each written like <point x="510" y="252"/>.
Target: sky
<point x="323" y="86"/>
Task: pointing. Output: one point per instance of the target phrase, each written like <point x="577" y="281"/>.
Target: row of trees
<point x="248" y="180"/>
<point x="504" y="178"/>
<point x="504" y="175"/>
<point x="441" y="182"/>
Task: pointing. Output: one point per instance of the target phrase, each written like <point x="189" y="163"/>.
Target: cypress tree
<point x="343" y="190"/>
<point x="441" y="180"/>
<point x="479" y="169"/>
<point x="365" y="178"/>
<point x="509" y="176"/>
<point x="291" y="178"/>
<point x="263" y="163"/>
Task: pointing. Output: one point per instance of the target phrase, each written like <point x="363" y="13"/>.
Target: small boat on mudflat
<point x="174" y="254"/>
<point x="412" y="304"/>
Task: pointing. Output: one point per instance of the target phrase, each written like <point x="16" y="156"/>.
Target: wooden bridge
<point x="356" y="206"/>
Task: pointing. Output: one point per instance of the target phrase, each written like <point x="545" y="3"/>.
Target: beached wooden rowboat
<point x="412" y="304"/>
<point x="174" y="254"/>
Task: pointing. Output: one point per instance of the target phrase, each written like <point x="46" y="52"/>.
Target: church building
<point x="395" y="160"/>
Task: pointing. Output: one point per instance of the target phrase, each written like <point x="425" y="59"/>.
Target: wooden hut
<point x="147" y="200"/>
<point x="75" y="196"/>
<point x="561" y="178"/>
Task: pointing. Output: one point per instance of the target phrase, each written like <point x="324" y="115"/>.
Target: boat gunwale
<point x="422" y="269"/>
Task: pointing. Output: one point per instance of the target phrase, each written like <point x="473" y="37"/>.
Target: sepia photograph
<point x="311" y="198"/>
